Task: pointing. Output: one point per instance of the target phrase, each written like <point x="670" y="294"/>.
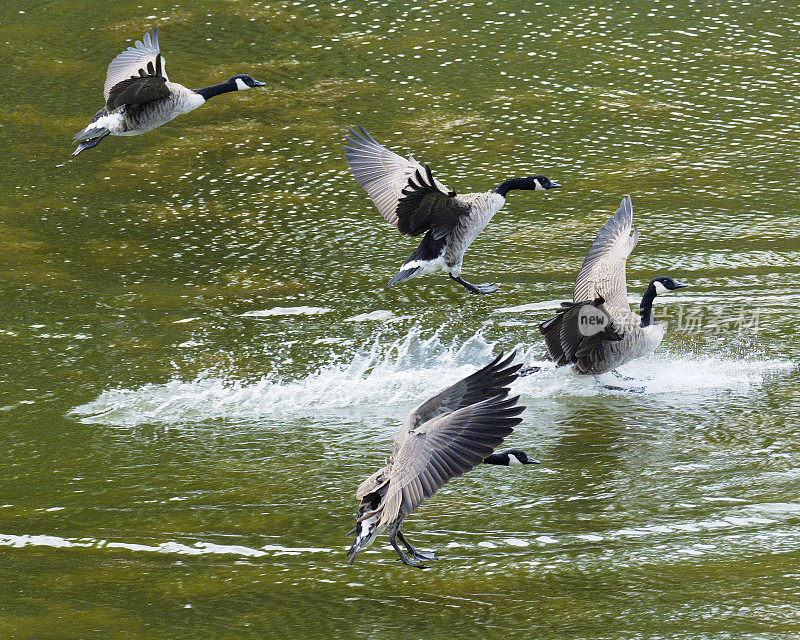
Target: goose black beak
<point x="533" y="461"/>
<point x="256" y="83"/>
<point x="680" y="285"/>
<point x="554" y="185"/>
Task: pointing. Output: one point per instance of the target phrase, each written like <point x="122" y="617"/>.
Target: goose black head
<point x="510" y="458"/>
<point x="665" y="284"/>
<point x="518" y="456"/>
<point x="244" y="81"/>
<point x="541" y="183"/>
<point x="531" y="183"/>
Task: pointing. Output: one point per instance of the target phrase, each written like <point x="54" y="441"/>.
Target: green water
<point x="182" y="456"/>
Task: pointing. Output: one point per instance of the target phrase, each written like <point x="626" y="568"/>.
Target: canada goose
<point x="409" y="197"/>
<point x="597" y="331"/>
<point x="139" y="97"/>
<point x="443" y="438"/>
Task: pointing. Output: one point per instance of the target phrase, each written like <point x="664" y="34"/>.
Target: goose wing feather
<point x="373" y="482"/>
<point x="490" y="381"/>
<point x="603" y="271"/>
<point x="145" y="55"/>
<point x="406" y="193"/>
<point x="567" y="343"/>
<point x="444" y="448"/>
<point x="136" y="91"/>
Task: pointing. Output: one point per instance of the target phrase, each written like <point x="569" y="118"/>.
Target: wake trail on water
<point x="404" y="371"/>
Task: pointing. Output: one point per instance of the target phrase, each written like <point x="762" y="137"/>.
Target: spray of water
<point x="396" y="372"/>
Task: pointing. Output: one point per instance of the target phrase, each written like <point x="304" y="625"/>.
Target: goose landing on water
<point x="597" y="332"/>
<point x="139" y="97"/>
<point x="409" y="197"/>
<point x="441" y="439"/>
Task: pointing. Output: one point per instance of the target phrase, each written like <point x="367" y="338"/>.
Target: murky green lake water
<point x="200" y="361"/>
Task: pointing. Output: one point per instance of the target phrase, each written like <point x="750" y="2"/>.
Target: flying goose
<point x="443" y="438"/>
<point x="597" y="331"/>
<point x="410" y="198"/>
<point x="140" y="97"/>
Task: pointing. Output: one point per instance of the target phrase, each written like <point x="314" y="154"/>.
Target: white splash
<point x="658" y="374"/>
<point x="385" y="374"/>
<point x="403" y="372"/>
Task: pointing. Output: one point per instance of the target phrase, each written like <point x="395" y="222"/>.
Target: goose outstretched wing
<point x="444" y="448"/>
<point x="139" y="61"/>
<point x="602" y="274"/>
<point x="580" y="331"/>
<point x="490" y="381"/>
<point x="405" y="192"/>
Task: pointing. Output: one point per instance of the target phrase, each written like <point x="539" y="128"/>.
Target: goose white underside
<point x="111" y="122"/>
<point x="427" y="266"/>
<point x="182" y="101"/>
<point x="366" y="534"/>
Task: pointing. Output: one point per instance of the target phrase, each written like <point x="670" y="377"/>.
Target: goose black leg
<point x="617" y="374"/>
<point x="417" y="555"/>
<point x="486" y="287"/>
<point x="403" y="557"/>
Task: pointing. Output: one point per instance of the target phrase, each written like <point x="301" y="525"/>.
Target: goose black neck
<point x="216" y="89"/>
<point x="509" y="185"/>
<point x="646" y="306"/>
<point x="497" y="458"/>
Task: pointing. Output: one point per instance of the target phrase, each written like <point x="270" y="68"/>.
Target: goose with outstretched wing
<point x="409" y="197"/>
<point x="139" y="96"/>
<point x="597" y="332"/>
<point x="441" y="439"/>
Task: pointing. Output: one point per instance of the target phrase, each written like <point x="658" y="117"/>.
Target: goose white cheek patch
<point x="240" y="85"/>
<point x="660" y="288"/>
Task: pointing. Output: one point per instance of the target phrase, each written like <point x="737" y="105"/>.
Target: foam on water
<point x="382" y="374"/>
<point x="403" y="371"/>
<point x="657" y="374"/>
<point x="169" y="547"/>
<point x="285" y="311"/>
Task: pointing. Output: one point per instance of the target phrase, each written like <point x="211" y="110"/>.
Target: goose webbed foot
<point x="417" y="555"/>
<point x="404" y="558"/>
<point x="486" y="287"/>
<point x="526" y="371"/>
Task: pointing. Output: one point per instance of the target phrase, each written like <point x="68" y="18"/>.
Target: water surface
<point x="200" y="361"/>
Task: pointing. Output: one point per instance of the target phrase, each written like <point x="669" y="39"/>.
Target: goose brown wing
<point x="490" y="381"/>
<point x="384" y="175"/>
<point x="139" y="90"/>
<point x="370" y="484"/>
<point x="424" y="207"/>
<point x="571" y="336"/>
<point x="144" y="56"/>
<point x="602" y="274"/>
<point x="445" y="448"/>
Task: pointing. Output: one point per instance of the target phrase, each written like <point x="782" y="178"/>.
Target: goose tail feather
<point x="405" y="274"/>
